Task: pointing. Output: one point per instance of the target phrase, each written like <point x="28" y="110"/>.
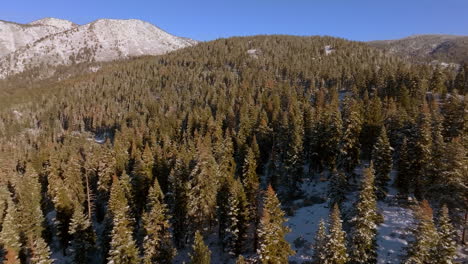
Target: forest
<point x="201" y="156"/>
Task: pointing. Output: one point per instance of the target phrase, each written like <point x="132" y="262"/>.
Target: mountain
<point x="14" y="36"/>
<point x="428" y="48"/>
<point x="54" y="42"/>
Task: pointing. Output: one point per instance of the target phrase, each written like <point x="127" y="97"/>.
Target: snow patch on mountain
<point x="14" y="36"/>
<point x="61" y="24"/>
<point x="101" y="40"/>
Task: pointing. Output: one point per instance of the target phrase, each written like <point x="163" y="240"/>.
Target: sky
<point x="211" y="19"/>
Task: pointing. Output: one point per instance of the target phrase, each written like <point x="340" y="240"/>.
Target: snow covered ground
<point x="305" y="221"/>
<point x="391" y="237"/>
<point x="394" y="232"/>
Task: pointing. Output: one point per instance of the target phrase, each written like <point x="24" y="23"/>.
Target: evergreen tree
<point x="331" y="130"/>
<point x="10" y="234"/>
<point x="273" y="247"/>
<point x="178" y="199"/>
<point x="204" y="183"/>
<point x="461" y="80"/>
<point x="157" y="242"/>
<point x="30" y="216"/>
<point x="451" y="185"/>
<point x="321" y="238"/>
<point x="240" y="260"/>
<point x="337" y="188"/>
<point x="363" y="241"/>
<point x="233" y="216"/>
<point x="201" y="254"/>
<point x="83" y="237"/>
<point x="421" y="249"/>
<point x="336" y="240"/>
<point x="122" y="246"/>
<point x="420" y="147"/>
<point x="382" y="159"/>
<point x="293" y="162"/>
<point x="251" y="183"/>
<point x="350" y="145"/>
<point x="446" y="246"/>
<point x="40" y="252"/>
<point x="403" y="177"/>
<point x="436" y="83"/>
<point x="373" y="120"/>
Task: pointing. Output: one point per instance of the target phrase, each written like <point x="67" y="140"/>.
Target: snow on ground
<point x="304" y="222"/>
<point x="328" y="49"/>
<point x="393" y="233"/>
<point x="392" y="236"/>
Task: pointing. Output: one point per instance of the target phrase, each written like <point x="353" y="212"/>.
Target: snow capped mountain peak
<point x="55" y="22"/>
<point x="62" y="42"/>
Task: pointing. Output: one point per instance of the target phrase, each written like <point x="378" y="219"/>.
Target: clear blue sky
<point x="211" y="19"/>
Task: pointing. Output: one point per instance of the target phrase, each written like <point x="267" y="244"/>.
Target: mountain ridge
<point x="63" y="42"/>
<point x="440" y="48"/>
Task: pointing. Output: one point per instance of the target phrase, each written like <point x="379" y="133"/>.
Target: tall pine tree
<point x="320" y="243"/>
<point x="201" y="254"/>
<point x="123" y="247"/>
<point x="382" y="159"/>
<point x="157" y="242"/>
<point x="424" y="245"/>
<point x="446" y="249"/>
<point x="273" y="247"/>
<point x="336" y="240"/>
<point x="363" y="241"/>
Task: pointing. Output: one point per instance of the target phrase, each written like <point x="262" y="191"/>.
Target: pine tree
<point x="233" y="216"/>
<point x="420" y="147"/>
<point x="321" y="238"/>
<point x="240" y="260"/>
<point x="30" y="214"/>
<point x="451" y="187"/>
<point x="178" y="200"/>
<point x="273" y="247"/>
<point x="204" y="183"/>
<point x="363" y="241"/>
<point x="157" y="242"/>
<point x="446" y="246"/>
<point x="141" y="177"/>
<point x="201" y="254"/>
<point x="336" y="240"/>
<point x="40" y="252"/>
<point x="331" y="132"/>
<point x="421" y="249"/>
<point x="337" y="188"/>
<point x="83" y="237"/>
<point x="251" y="183"/>
<point x="293" y="162"/>
<point x="403" y="177"/>
<point x="350" y="145"/>
<point x="123" y="248"/>
<point x="10" y="234"/>
<point x="382" y="159"/>
<point x="373" y="121"/>
<point x="436" y="83"/>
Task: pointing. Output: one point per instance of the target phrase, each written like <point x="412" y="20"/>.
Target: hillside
<point x="52" y="42"/>
<point x="428" y="48"/>
<point x="14" y="36"/>
<point x="212" y="147"/>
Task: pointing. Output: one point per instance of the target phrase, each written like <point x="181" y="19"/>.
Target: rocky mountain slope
<point x="428" y="48"/>
<point x="14" y="36"/>
<point x="53" y="42"/>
